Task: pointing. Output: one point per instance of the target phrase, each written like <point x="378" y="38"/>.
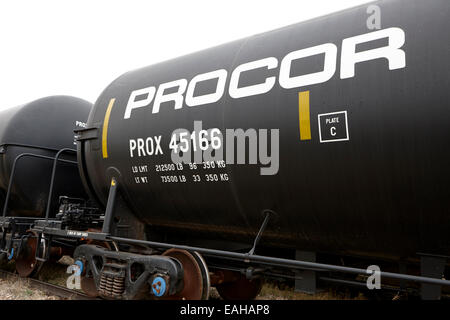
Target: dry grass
<point x="271" y="292"/>
<point x="53" y="273"/>
<point x="19" y="289"/>
<point x="12" y="288"/>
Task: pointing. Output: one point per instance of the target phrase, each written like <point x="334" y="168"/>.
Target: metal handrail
<point x="13" y="171"/>
<point x="50" y="191"/>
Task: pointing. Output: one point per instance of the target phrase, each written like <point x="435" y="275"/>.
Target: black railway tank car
<point x="373" y="183"/>
<point x="38" y="130"/>
<point x="328" y="136"/>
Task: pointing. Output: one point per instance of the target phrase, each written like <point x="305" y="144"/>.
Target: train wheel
<point x="205" y="275"/>
<point x="196" y="275"/>
<point x="26" y="263"/>
<point x="240" y="289"/>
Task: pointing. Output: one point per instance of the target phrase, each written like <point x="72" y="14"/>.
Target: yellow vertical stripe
<point x="303" y="115"/>
<point x="105" y="128"/>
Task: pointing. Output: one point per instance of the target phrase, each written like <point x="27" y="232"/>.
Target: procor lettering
<point x="349" y="58"/>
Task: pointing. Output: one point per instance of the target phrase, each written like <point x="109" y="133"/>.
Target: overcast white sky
<point x="77" y="47"/>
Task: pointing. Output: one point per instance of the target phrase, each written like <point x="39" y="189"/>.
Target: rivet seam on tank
<point x="303" y="115"/>
<point x="105" y="128"/>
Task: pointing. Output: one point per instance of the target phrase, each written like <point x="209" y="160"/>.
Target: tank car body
<point x="363" y="132"/>
<point x="41" y="127"/>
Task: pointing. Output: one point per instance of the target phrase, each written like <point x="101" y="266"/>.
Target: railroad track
<point x="48" y="288"/>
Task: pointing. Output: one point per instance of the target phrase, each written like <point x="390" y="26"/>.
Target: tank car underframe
<point x="50" y="234"/>
<point x="255" y="265"/>
<point x="55" y="233"/>
<point x="251" y="265"/>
